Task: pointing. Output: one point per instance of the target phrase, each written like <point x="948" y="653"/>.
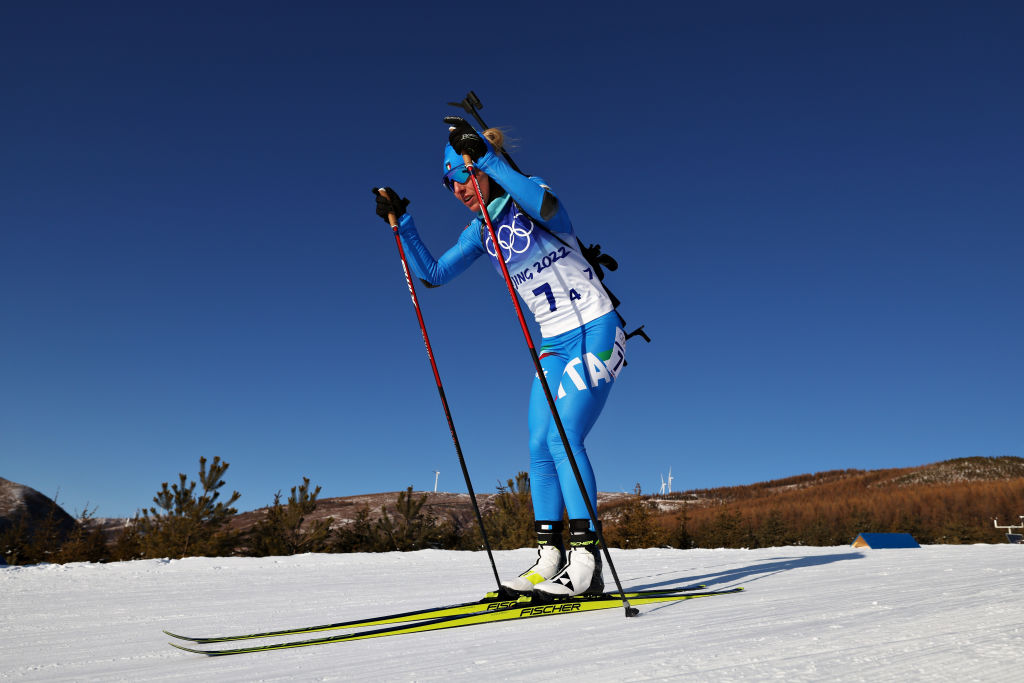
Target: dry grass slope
<point x="947" y="502"/>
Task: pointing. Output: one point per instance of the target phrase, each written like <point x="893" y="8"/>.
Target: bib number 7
<point x="545" y="289"/>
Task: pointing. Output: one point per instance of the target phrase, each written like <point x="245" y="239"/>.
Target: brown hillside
<point x="439" y="505"/>
<point x="947" y="502"/>
<point x="20" y="504"/>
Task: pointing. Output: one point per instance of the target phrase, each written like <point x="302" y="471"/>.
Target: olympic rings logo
<point x="513" y="239"/>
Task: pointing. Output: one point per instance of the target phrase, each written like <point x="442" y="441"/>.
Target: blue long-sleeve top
<point x="544" y="262"/>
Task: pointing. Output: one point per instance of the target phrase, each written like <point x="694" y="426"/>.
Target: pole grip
<point x="392" y="218"/>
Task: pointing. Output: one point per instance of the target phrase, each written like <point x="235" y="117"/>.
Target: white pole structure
<point x="1009" y="529"/>
<point x="436" y="475"/>
<point x="670" y="480"/>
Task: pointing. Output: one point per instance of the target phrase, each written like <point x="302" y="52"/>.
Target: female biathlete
<point x="582" y="351"/>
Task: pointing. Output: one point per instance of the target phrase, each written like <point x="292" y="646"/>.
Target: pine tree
<point x="281" y="532"/>
<point x="361" y="536"/>
<point x="681" y="538"/>
<point x="15" y="542"/>
<point x="731" y="530"/>
<point x="509" y="523"/>
<point x="635" y="527"/>
<point x="773" y="530"/>
<point x="189" y="525"/>
<point x="410" y="528"/>
<point x="85" y="543"/>
<point x="127" y="544"/>
<point x="25" y="542"/>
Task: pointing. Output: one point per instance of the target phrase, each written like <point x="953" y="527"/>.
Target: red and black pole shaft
<point x="393" y="220"/>
<point x="630" y="611"/>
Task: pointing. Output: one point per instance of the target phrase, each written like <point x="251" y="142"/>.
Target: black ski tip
<point x="187" y="649"/>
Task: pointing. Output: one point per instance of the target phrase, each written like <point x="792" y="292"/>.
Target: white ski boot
<point x="582" y="574"/>
<point x="550" y="558"/>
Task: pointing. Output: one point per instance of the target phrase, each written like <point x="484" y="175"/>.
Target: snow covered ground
<point x="939" y="613"/>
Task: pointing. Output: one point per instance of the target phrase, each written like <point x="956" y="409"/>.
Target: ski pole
<point x="472" y="105"/>
<point x="393" y="220"/>
<point x="630" y="611"/>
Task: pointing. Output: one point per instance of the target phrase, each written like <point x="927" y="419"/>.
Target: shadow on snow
<point x="753" y="572"/>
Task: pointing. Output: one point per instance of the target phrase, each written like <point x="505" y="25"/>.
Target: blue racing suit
<point x="583" y="347"/>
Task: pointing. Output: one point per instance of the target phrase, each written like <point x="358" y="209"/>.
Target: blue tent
<point x="884" y="541"/>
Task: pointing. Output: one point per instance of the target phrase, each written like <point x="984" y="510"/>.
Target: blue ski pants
<point x="581" y="366"/>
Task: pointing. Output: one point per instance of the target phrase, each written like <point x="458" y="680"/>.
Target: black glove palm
<point x="392" y="203"/>
<point x="464" y="139"/>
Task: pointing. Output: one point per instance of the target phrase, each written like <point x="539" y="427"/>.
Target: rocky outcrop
<point x="23" y="505"/>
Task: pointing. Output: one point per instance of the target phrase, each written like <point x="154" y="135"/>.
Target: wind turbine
<point x="436" y="475"/>
<point x="661" y="491"/>
<point x="670" y="480"/>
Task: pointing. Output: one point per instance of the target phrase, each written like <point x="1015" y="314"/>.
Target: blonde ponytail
<point x="496" y="137"/>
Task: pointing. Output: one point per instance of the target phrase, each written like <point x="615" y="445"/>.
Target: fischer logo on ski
<point x="554" y="608"/>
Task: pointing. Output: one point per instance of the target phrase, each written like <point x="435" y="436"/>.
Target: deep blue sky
<point x="817" y="209"/>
